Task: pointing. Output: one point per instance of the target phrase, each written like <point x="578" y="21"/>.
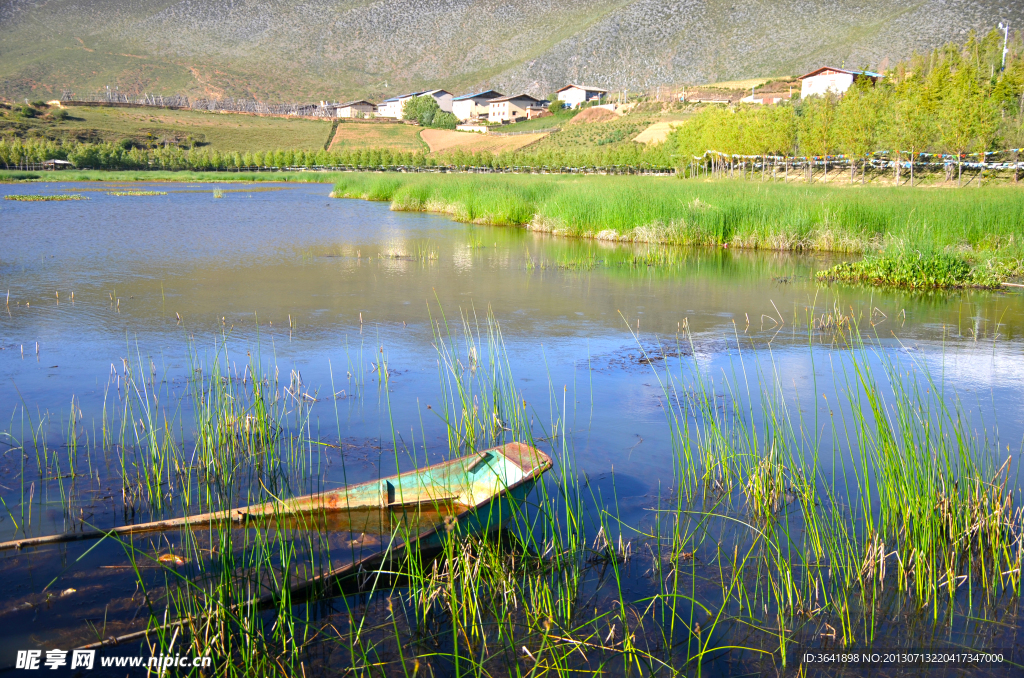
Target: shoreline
<point x="982" y="228"/>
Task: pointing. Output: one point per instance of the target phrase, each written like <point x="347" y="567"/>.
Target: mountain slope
<point x="335" y="49"/>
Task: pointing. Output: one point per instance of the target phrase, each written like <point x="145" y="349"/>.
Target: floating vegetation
<point x="45" y="198"/>
<point x="218" y="193"/>
<point x="912" y="271"/>
<point x="119" y="193"/>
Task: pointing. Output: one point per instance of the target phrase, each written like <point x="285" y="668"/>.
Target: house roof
<point x="434" y="91"/>
<point x="485" y="95"/>
<point x="406" y="96"/>
<point x="514" y="97"/>
<point x="816" y="71"/>
<point x="583" y="87"/>
<point x="353" y="103"/>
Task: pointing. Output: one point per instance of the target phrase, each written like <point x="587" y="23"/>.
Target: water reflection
<point x="328" y="289"/>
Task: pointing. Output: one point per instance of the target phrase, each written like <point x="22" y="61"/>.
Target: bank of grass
<point x="981" y="230"/>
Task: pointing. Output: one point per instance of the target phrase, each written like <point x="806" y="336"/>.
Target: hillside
<point x="150" y="127"/>
<point x="307" y="50"/>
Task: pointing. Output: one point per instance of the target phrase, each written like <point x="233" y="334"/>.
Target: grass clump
<point x="913" y="271"/>
<point x="126" y="193"/>
<point x="44" y="198"/>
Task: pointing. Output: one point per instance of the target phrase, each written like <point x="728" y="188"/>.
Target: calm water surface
<point x="324" y="287"/>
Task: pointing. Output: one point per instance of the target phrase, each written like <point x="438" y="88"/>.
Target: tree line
<point x="956" y="100"/>
<point x="16" y="153"/>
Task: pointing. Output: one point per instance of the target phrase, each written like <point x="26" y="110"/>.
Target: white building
<point x="766" y="99"/>
<point x="473" y="106"/>
<point x="835" y="80"/>
<point x="510" y="109"/>
<point x="355" y="109"/>
<point x="443" y="98"/>
<point x="392" y="108"/>
<point x="575" y="95"/>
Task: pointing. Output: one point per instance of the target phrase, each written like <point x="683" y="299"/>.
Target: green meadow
<point x="983" y="229"/>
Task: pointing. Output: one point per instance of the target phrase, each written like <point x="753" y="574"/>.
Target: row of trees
<point x="18" y="153"/>
<point x="954" y="103"/>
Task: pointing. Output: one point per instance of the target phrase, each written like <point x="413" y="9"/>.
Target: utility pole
<point x="1006" y="36"/>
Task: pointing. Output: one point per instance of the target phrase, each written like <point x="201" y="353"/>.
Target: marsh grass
<point x="985" y="230"/>
<point x="131" y="193"/>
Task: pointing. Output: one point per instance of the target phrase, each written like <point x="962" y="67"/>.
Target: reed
<point x="985" y="230"/>
<point x="780" y="521"/>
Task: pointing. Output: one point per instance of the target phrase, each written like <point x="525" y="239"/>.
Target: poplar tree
<point x="857" y="117"/>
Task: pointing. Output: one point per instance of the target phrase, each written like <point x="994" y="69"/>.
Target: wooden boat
<point x="476" y="493"/>
<point x="479" y="492"/>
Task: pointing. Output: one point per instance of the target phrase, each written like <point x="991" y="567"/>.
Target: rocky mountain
<point x="307" y="50"/>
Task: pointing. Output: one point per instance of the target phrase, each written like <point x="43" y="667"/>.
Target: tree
<point x="857" y="117"/>
<point x="817" y="129"/>
<point x="966" y="116"/>
<point x="908" y="123"/>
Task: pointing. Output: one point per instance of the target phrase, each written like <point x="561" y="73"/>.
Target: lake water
<point x="327" y="288"/>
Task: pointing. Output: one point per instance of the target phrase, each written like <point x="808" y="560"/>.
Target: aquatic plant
<point x="913" y="271"/>
<point x="45" y="198"/>
<point x="127" y="193"/>
<point x="779" y="520"/>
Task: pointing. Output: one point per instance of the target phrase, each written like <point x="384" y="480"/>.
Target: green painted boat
<point x="479" y="492"/>
<point x="472" y="494"/>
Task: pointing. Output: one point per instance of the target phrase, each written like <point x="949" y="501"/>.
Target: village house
<point x="474" y="106"/>
<point x="538" y="110"/>
<point x="576" y="95"/>
<point x="510" y="109"/>
<point x="767" y="98"/>
<point x="355" y="109"/>
<point x="835" y="80"/>
<point x="443" y="98"/>
<point x="392" y="108"/>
